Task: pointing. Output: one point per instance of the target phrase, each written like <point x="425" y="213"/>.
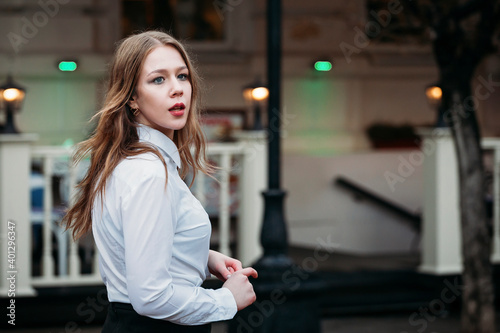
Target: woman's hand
<point x="241" y="288"/>
<point x="221" y="265"/>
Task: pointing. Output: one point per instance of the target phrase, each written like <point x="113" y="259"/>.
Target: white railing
<point x="69" y="263"/>
<point x="226" y="156"/>
<point x="244" y="160"/>
<point x="441" y="252"/>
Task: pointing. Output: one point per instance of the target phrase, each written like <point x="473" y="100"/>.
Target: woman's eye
<point x="158" y="80"/>
<point x="183" y="77"/>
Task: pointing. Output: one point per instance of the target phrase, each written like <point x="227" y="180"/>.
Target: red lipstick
<point x="177" y="110"/>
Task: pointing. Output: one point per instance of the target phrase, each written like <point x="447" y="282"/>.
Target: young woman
<point x="152" y="234"/>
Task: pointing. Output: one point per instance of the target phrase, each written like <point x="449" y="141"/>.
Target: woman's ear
<point x="132" y="102"/>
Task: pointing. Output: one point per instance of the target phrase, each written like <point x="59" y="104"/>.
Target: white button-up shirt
<point x="153" y="240"/>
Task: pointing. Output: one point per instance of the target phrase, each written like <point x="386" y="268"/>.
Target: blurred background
<point x="356" y="109"/>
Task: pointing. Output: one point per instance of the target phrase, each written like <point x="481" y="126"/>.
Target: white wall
<point x="316" y="208"/>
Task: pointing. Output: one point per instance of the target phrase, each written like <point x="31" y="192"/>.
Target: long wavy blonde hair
<point x="115" y="136"/>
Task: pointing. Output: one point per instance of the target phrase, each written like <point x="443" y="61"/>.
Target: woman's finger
<point x="236" y="265"/>
<point x="231" y="271"/>
<point x="249" y="271"/>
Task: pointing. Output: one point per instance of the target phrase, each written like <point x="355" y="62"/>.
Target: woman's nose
<point x="176" y="89"/>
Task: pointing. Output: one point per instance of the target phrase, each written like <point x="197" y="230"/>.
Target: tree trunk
<point x="459" y="48"/>
<point x="478" y="315"/>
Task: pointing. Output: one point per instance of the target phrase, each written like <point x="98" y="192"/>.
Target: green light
<point x="67" y="66"/>
<point x="323" y="66"/>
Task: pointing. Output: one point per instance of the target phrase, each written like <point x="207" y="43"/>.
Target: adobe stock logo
<point x="421" y="318"/>
<point x="30" y="28"/>
<point x="373" y="28"/>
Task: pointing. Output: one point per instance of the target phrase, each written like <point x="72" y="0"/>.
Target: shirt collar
<point x="157" y="138"/>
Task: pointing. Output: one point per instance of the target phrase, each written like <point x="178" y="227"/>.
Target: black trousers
<point x="122" y="318"/>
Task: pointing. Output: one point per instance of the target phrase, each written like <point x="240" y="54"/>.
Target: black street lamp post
<point x="286" y="294"/>
<point x="274" y="238"/>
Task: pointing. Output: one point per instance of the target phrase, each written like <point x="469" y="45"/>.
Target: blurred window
<point x="192" y="20"/>
<point x="396" y="22"/>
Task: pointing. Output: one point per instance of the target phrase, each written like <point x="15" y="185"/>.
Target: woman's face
<point x="163" y="91"/>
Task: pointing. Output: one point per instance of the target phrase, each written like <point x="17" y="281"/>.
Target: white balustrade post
<point x="225" y="205"/>
<point x="74" y="260"/>
<point x="15" y="166"/>
<point x="47" y="260"/>
<point x="253" y="181"/>
<point x="441" y="231"/>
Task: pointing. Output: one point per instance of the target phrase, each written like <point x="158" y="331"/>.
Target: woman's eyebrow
<point x="164" y="70"/>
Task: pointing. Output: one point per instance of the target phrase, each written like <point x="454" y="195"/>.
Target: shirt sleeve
<point x="148" y="228"/>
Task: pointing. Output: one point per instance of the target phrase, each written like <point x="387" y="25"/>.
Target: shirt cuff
<point x="228" y="303"/>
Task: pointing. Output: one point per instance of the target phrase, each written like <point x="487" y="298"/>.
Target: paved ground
<point x="395" y="323"/>
<point x="386" y="324"/>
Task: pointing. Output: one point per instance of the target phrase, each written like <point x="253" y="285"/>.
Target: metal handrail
<point x="415" y="219"/>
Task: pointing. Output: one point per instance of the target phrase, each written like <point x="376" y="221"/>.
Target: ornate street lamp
<point x="255" y="94"/>
<point x="11" y="99"/>
<point x="282" y="306"/>
<point x="434" y="94"/>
